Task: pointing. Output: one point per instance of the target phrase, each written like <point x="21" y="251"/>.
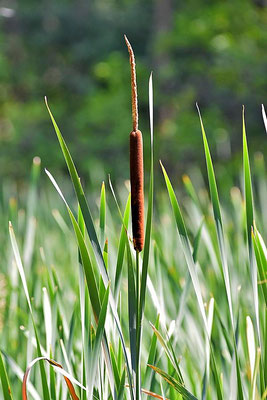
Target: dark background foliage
<point x="212" y="52"/>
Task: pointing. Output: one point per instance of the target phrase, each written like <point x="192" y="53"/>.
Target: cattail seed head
<point x="137" y="189"/>
<point x="136" y="164"/>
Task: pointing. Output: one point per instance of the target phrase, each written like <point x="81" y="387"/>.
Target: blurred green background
<point x="212" y="52"/>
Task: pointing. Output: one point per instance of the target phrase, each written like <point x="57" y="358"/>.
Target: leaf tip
<point x="243" y="116"/>
<point x="200" y="118"/>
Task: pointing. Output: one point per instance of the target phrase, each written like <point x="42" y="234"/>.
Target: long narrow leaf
<point x="102" y="213"/>
<point x="68" y="378"/>
<point x="149" y="211"/>
<point x="186" y="245"/>
<point x="175" y="384"/>
<point x="97" y="342"/>
<point x="25" y="287"/>
<point x="4" y="379"/>
<point x="122" y="242"/>
<point x="249" y="220"/>
<point x="264" y="117"/>
<point x="221" y="243"/>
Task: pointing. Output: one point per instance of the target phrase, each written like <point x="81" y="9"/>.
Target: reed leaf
<point x="16" y="252"/>
<point x="68" y="378"/>
<point x="98" y="339"/>
<point x="148" y="233"/>
<point x="102" y="213"/>
<point x="249" y="222"/>
<point x="4" y="379"/>
<point x="221" y="242"/>
<point x="174" y="383"/>
<point x="121" y="247"/>
<point x="264" y="117"/>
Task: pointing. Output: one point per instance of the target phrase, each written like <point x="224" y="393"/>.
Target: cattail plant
<point x="136" y="164"/>
<point x="137" y="206"/>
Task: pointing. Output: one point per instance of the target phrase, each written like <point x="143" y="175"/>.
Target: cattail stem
<point x="137" y="367"/>
<point x="136" y="165"/>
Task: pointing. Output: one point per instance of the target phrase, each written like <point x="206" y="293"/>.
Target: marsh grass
<point x="70" y="289"/>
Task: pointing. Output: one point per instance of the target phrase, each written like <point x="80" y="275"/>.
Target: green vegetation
<point x="71" y="295"/>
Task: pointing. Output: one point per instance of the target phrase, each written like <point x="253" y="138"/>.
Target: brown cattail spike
<point x="137" y="190"/>
<point x="136" y="164"/>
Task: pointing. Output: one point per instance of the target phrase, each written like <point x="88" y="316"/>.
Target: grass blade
<point x="255" y="373"/>
<point x="131" y="307"/>
<point x="115" y="368"/>
<point x="217" y="217"/>
<point x="122" y="242"/>
<point x="88" y="268"/>
<point x="221" y="243"/>
<point x="261" y="258"/>
<point x="251" y="346"/>
<point x="247" y="183"/>
<point x="15" y="248"/>
<point x="149" y="215"/>
<point x="81" y="198"/>
<point x="207" y="349"/>
<point x="97" y="343"/>
<point x="264" y="117"/>
<point x="68" y="378"/>
<point x="102" y="214"/>
<point x="122" y="387"/>
<point x="4" y="379"/>
<point x="249" y="221"/>
<point x="186" y="244"/>
<point x="141" y="300"/>
<point x="20" y="374"/>
<point x="151" y="356"/>
<point x="47" y="320"/>
<point x="169" y="352"/>
<point x="174" y="383"/>
<point x="28" y="246"/>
